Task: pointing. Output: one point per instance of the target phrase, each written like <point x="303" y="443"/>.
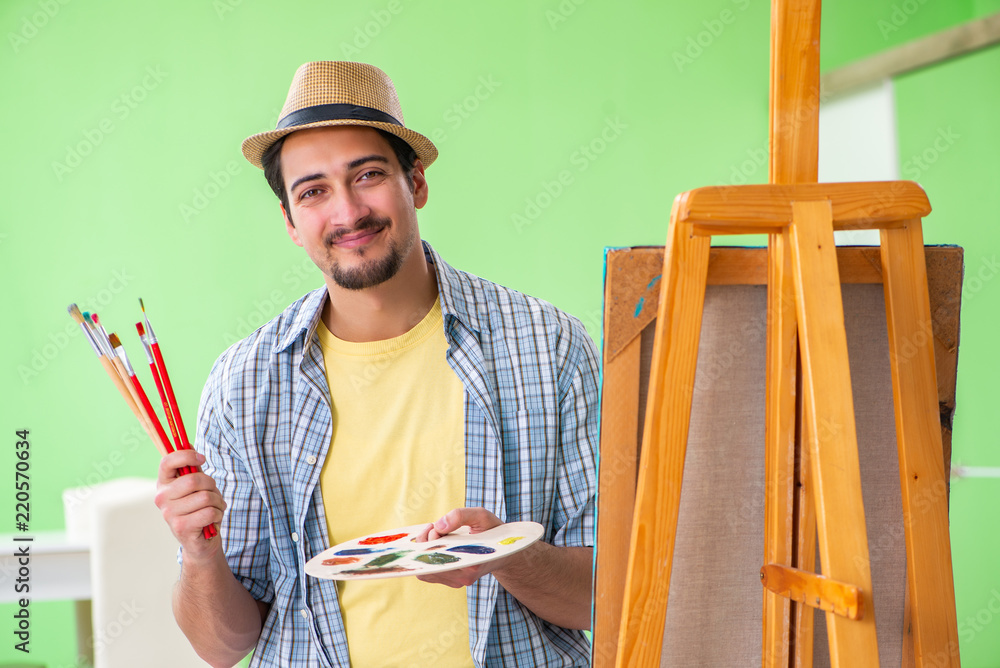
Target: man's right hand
<point x="213" y="609"/>
<point x="188" y="503"/>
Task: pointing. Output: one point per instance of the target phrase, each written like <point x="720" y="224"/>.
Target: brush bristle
<point x="74" y="312"/>
<point x="141" y="305"/>
<point x="140" y="329"/>
<point x="86" y="316"/>
<point x="115" y="342"/>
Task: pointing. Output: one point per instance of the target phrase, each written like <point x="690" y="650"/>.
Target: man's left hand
<point x="478" y="520"/>
<point x="553" y="582"/>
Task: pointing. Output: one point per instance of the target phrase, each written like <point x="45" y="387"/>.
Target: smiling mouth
<point x="366" y="230"/>
<point x="355" y="238"/>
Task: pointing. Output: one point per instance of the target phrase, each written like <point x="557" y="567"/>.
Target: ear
<point x="290" y="227"/>
<point x="419" y="185"/>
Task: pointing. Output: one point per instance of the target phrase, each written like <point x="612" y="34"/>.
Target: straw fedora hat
<point x="340" y="93"/>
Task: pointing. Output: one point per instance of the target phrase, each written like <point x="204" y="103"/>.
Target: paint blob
<point x="340" y="561"/>
<point x="511" y="540"/>
<point x="360" y="550"/>
<point x="386" y="559"/>
<point x="436" y="559"/>
<point x="378" y="540"/>
<point x="376" y="571"/>
<point x="473" y="549"/>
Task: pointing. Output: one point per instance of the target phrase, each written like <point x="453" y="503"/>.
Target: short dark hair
<point x="271" y="161"/>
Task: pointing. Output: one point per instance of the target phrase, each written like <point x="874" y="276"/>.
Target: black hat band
<point x="334" y="112"/>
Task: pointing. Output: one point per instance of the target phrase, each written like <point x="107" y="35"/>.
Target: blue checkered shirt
<point x="530" y="374"/>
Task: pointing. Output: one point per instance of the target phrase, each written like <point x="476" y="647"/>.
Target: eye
<point x="370" y="174"/>
<point x="310" y="192"/>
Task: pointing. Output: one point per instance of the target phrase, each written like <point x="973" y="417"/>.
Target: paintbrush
<point x="105" y="361"/>
<point x="113" y="358"/>
<point x="101" y="332"/>
<point x="159" y="389"/>
<point x="169" y="399"/>
<point x="159" y="370"/>
<point x="153" y="426"/>
<point x="120" y="368"/>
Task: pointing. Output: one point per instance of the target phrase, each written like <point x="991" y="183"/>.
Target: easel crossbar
<point x="767" y="209"/>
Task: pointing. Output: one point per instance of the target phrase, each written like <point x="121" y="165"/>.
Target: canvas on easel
<point x="715" y="616"/>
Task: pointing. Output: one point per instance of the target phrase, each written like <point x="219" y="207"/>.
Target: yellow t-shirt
<point x="397" y="458"/>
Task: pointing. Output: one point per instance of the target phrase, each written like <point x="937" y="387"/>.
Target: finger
<point x="187" y="514"/>
<point x="184" y="485"/>
<point x="172" y="462"/>
<point x="437" y="579"/>
<point x="196" y="500"/>
<point x="188" y="494"/>
<point x="425" y="535"/>
<point x="450" y="521"/>
<point x="462" y="577"/>
<point x="190" y="525"/>
<point x="477" y="519"/>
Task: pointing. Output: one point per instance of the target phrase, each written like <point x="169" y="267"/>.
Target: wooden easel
<point x="805" y="318"/>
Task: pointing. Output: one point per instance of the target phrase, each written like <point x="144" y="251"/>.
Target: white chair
<point x="133" y="568"/>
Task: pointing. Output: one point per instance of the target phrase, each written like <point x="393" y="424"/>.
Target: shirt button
<point x="295" y="539"/>
<point x="311" y="459"/>
<point x="305" y="613"/>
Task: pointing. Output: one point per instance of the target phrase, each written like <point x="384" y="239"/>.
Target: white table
<point x="59" y="567"/>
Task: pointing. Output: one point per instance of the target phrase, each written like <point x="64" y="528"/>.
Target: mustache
<point x="370" y="222"/>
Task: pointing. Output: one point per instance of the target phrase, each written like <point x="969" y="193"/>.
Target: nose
<point x="347" y="208"/>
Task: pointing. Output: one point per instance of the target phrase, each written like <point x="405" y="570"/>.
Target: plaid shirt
<point x="530" y="374"/>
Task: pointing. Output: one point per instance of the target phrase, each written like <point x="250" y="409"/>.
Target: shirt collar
<point x="303" y="319"/>
<point x="455" y="289"/>
<point x="458" y="292"/>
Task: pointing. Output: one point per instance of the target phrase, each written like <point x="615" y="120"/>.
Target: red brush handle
<point x="171" y="400"/>
<point x="151" y="413"/>
<point x="174" y="418"/>
<point x="166" y="409"/>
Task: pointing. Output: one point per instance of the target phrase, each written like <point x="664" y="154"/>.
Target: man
<point x="402" y="392"/>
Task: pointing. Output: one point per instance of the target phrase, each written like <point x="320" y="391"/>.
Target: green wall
<point x="564" y="127"/>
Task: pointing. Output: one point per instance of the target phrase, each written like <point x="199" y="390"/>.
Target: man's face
<point x="350" y="205"/>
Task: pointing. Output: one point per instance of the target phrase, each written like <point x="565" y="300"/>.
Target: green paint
<point x="436" y="559"/>
<point x="384" y="559"/>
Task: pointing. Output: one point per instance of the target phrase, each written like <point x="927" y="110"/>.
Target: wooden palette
<point x="396" y="553"/>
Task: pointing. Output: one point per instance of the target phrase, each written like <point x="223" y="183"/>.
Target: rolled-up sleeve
<point x="579" y="427"/>
<point x="244" y="528"/>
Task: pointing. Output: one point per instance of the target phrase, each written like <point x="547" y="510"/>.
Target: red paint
<point x="378" y="540"/>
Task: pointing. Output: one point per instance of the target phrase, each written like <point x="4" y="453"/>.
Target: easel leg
<point x="779" y="450"/>
<point x="830" y="427"/>
<point x="805" y="542"/>
<point x="664" y="446"/>
<point x="931" y="588"/>
<point x="619" y="434"/>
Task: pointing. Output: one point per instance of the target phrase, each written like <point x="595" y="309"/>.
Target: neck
<point x="387" y="310"/>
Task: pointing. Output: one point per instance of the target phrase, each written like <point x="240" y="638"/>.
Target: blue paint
<point x="362" y="550"/>
<point x="473" y="549"/>
<point x="642" y="300"/>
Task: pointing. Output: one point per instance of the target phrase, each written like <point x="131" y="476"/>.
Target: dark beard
<point x="371" y="272"/>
